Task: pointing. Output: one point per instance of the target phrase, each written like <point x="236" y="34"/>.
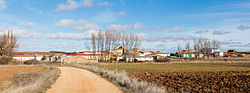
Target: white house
<point x="163" y="54"/>
<point x="219" y="53"/>
<point x="140" y="58"/>
<point x="27" y="57"/>
<point x="119" y="58"/>
<point x="187" y="55"/>
<point x="211" y="50"/>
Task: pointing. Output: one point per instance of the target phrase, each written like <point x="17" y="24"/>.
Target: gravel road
<point x="74" y="80"/>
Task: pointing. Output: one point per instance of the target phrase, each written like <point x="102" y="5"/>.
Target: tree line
<point x="201" y="45"/>
<point x="106" y="41"/>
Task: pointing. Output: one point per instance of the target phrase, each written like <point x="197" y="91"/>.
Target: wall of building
<point x="24" y="58"/>
<point x="77" y="59"/>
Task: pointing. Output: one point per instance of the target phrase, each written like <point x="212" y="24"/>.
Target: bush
<point x="29" y="62"/>
<point x="164" y="60"/>
<point x="5" y="60"/>
<point x="33" y="82"/>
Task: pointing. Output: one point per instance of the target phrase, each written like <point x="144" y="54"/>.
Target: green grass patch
<point x="171" y="67"/>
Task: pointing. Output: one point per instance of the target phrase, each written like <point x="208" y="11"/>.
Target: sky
<point x="64" y="25"/>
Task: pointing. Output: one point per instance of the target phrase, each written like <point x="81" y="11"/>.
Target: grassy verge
<point x="123" y="80"/>
<point x="174" y="67"/>
<point x="8" y="71"/>
<point x="32" y="82"/>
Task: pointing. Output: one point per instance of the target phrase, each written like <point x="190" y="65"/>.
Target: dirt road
<point x="74" y="80"/>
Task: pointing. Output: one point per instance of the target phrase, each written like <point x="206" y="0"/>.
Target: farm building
<point x="219" y="53"/>
<point x="163" y="54"/>
<point x="23" y="57"/>
<point x="79" y="58"/>
<point x="139" y="58"/>
<point x="186" y="55"/>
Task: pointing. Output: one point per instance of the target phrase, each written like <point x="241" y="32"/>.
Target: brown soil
<point x="235" y="64"/>
<point x="74" y="80"/>
<point x="224" y="81"/>
<point x="7" y="72"/>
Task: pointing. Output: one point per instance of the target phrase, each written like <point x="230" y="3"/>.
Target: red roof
<point x="24" y="56"/>
<point x="161" y="53"/>
<point x="152" y="51"/>
<point x="19" y="54"/>
<point x="83" y="54"/>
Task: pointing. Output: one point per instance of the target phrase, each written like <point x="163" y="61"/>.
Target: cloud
<point x="87" y="26"/>
<point x="104" y="3"/>
<point x="230" y="42"/>
<point x="121" y="13"/>
<point x="72" y="4"/>
<point x="162" y="38"/>
<point x="217" y="14"/>
<point x="176" y="29"/>
<point x="79" y="25"/>
<point x="243" y="27"/>
<point x="138" y="26"/>
<point x="75" y="36"/>
<point x="201" y="32"/>
<point x="118" y="27"/>
<point x="27" y="24"/>
<point x="2" y="5"/>
<point x="220" y="33"/>
<point x="64" y="23"/>
<point x="105" y="17"/>
<point x="56" y="46"/>
<point x="241" y="45"/>
<point x="21" y="33"/>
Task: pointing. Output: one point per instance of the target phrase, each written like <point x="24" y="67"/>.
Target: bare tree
<point x="187" y="47"/>
<point x="197" y="48"/>
<point x="215" y="44"/>
<point x="93" y="39"/>
<point x="7" y="46"/>
<point x="86" y="43"/>
<point x="137" y="43"/>
<point x="107" y="41"/>
<point x="179" y="48"/>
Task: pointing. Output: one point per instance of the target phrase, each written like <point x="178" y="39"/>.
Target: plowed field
<point x="216" y="81"/>
<point x="7" y="72"/>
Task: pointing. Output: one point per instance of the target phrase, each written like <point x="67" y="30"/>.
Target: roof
<point x="162" y="53"/>
<point x="19" y="54"/>
<point x="24" y="56"/>
<point x="83" y="54"/>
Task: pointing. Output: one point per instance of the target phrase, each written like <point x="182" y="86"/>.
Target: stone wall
<point x="78" y="59"/>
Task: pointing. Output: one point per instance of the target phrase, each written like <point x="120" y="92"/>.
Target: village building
<point x="219" y="53"/>
<point x="23" y="57"/>
<point x="163" y="54"/>
<point x="139" y="58"/>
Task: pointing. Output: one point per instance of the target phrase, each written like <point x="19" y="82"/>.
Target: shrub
<point x="34" y="82"/>
<point x="164" y="60"/>
<point x="29" y="62"/>
<point x="5" y="60"/>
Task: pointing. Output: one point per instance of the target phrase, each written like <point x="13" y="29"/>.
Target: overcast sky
<point x="64" y="25"/>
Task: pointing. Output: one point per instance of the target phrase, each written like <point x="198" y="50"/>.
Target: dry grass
<point x="123" y="80"/>
<point x="7" y="72"/>
<point x="33" y="82"/>
<point x="172" y="67"/>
